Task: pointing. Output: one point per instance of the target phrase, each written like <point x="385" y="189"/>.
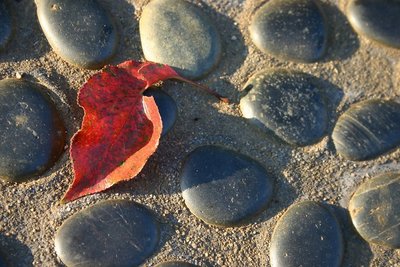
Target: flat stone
<point x="307" y="234"/>
<point x="110" y="233"/>
<point x="80" y="32"/>
<point x="166" y="106"/>
<point x="376" y="20"/>
<point x="179" y="34"/>
<point x="374" y="210"/>
<point x="368" y="129"/>
<point x="175" y="264"/>
<point x="291" y="29"/>
<point x="32" y="133"/>
<point x="289" y="104"/>
<point x="5" y="23"/>
<point x="223" y="187"/>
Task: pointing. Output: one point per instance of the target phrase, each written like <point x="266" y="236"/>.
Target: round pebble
<point x="5" y="24"/>
<point x="291" y="29"/>
<point x="111" y="233"/>
<point x="368" y="129"/>
<point x="307" y="235"/>
<point x="377" y="20"/>
<point x="166" y="106"/>
<point x="179" y="34"/>
<point x="80" y="32"/>
<point x="289" y="104"/>
<point x="374" y="210"/>
<point x="223" y="187"/>
<point x="175" y="264"/>
<point x="32" y="133"/>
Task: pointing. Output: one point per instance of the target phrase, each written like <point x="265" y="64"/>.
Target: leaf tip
<point x="64" y="201"/>
<point x="69" y="196"/>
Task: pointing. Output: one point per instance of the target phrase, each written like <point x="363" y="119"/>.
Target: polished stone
<point x="374" y="210"/>
<point x="179" y="34"/>
<point x="166" y="106"/>
<point x="175" y="264"/>
<point x="291" y="29"/>
<point x="368" y="129"/>
<point x="289" y="104"/>
<point x="377" y="20"/>
<point x="6" y="25"/>
<point x="111" y="233"/>
<point x="80" y="32"/>
<point x="307" y="234"/>
<point x="223" y="187"/>
<point x="32" y="133"/>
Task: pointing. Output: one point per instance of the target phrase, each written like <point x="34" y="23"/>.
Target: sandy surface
<point x="353" y="69"/>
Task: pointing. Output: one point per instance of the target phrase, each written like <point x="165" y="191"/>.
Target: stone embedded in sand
<point x="175" y="264"/>
<point x="166" y="106"/>
<point x="179" y="34"/>
<point x="32" y="133"/>
<point x="80" y="32"/>
<point x="374" y="210"/>
<point x="291" y="29"/>
<point x="5" y="24"/>
<point x="223" y="187"/>
<point x="368" y="129"/>
<point x="111" y="233"/>
<point x="307" y="235"/>
<point x="377" y="20"/>
<point x="287" y="103"/>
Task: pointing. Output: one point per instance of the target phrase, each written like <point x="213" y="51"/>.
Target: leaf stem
<point x="204" y="88"/>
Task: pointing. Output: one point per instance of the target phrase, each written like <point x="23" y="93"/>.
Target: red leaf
<point x="121" y="128"/>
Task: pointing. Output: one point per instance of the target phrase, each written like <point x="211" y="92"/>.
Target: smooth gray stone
<point x="179" y="34"/>
<point x="289" y="104"/>
<point x="6" y="25"/>
<point x="307" y="234"/>
<point x="223" y="187"/>
<point x="80" y="32"/>
<point x="110" y="233"/>
<point x="32" y="133"/>
<point x="166" y="106"/>
<point x="291" y="29"/>
<point x="368" y="129"/>
<point x="175" y="264"/>
<point x="374" y="210"/>
<point x="376" y="20"/>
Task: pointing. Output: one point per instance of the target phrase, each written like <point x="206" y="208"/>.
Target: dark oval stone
<point x="223" y="187"/>
<point x="290" y="29"/>
<point x="81" y="32"/>
<point x="110" y="233"/>
<point x="5" y="24"/>
<point x="368" y="129"/>
<point x="377" y="20"/>
<point x="307" y="235"/>
<point x="32" y="133"/>
<point x="287" y="103"/>
<point x="166" y="106"/>
<point x="374" y="210"/>
<point x="179" y="34"/>
<point x="175" y="264"/>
